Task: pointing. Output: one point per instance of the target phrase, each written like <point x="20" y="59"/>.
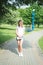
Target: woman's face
<point x="21" y="23"/>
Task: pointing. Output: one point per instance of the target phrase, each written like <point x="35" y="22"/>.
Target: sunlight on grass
<point x="7" y="32"/>
<point x="6" y="35"/>
<point x="38" y="29"/>
<point x="41" y="42"/>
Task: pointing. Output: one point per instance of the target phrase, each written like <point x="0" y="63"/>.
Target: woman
<point x="20" y="32"/>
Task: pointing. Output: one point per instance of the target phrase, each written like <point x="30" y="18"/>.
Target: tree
<point x="26" y="15"/>
<point x="29" y="1"/>
<point x="40" y="2"/>
<point x="2" y="2"/>
<point x="11" y="17"/>
<point x="39" y="16"/>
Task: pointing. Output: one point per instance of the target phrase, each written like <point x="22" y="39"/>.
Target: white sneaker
<point x="20" y="54"/>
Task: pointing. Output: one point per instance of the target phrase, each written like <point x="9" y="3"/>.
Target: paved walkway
<point x="31" y="52"/>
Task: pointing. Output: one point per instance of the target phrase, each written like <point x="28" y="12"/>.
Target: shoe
<point x="20" y="54"/>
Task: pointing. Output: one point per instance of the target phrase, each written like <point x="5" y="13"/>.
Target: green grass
<point x="41" y="42"/>
<point x="38" y="29"/>
<point x="7" y="32"/>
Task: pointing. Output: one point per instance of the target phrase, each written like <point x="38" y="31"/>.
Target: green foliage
<point x="29" y="1"/>
<point x="39" y="15"/>
<point x="26" y="15"/>
<point x="11" y="16"/>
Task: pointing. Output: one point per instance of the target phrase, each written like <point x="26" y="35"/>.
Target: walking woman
<point x="20" y="33"/>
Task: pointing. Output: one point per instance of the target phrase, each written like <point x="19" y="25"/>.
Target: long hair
<point x="19" y="22"/>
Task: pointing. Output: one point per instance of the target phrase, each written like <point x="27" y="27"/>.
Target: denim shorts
<point x="18" y="38"/>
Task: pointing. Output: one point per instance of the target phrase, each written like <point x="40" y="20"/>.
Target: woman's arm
<point x="17" y="32"/>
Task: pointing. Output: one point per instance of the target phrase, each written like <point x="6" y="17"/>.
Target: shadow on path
<point x="12" y="45"/>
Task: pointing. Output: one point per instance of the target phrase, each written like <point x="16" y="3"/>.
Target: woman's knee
<point x="20" y="43"/>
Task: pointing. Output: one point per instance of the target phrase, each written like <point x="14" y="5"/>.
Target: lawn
<point x="41" y="42"/>
<point x="38" y="29"/>
<point x="7" y="32"/>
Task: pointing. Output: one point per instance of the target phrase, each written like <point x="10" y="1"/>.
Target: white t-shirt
<point x="20" y="30"/>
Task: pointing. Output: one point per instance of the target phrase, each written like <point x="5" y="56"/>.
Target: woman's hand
<point x="20" y="36"/>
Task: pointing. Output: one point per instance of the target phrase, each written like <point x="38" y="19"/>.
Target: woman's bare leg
<point x="21" y="42"/>
<point x="20" y="45"/>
